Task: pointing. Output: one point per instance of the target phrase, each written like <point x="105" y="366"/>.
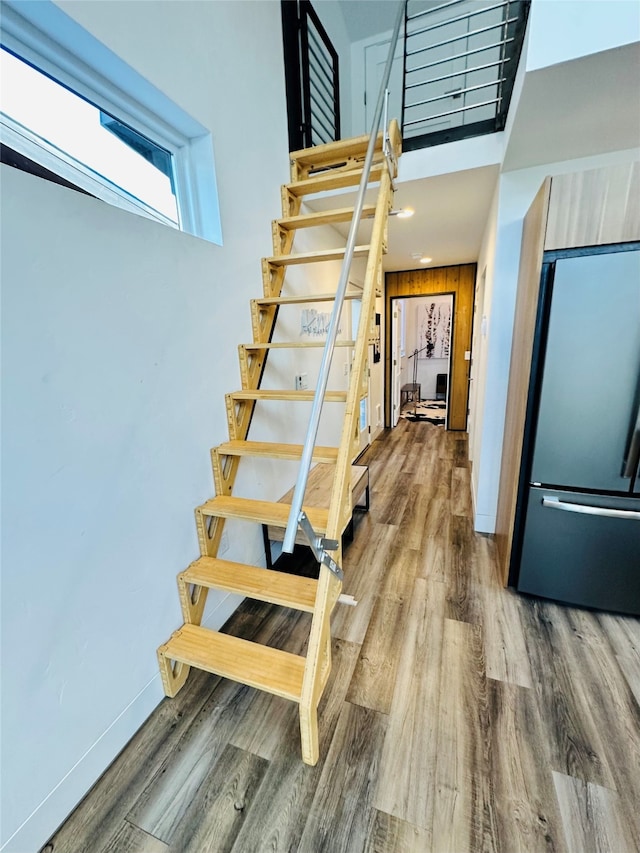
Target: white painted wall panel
<point x="119" y="341"/>
<point x="561" y="30"/>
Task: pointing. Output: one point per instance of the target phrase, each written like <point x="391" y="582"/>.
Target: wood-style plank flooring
<point x="459" y="717"/>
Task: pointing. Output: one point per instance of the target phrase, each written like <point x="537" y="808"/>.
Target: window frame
<point x="45" y="37"/>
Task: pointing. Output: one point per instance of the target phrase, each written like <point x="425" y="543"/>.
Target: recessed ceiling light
<point x="405" y="213"/>
<point x="425" y="260"/>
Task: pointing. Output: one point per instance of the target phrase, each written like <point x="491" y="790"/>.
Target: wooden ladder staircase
<point x="295" y="677"/>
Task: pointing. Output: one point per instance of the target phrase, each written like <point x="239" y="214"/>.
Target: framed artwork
<point x="435" y="330"/>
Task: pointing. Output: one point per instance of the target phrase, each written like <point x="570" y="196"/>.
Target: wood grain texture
<point x="162" y="807"/>
<point x="459" y="280"/>
<point x="590" y="817"/>
<point x="130" y="839"/>
<point x="278" y="820"/>
<point x="611" y="703"/>
<point x="461" y="492"/>
<point x="368" y="553"/>
<point x="341" y="814"/>
<point x="406" y="782"/>
<point x="463" y="761"/>
<point x="222" y="804"/>
<point x="464" y="808"/>
<point x="374" y="677"/>
<point x="463" y="602"/>
<point x="101" y="814"/>
<point x="577" y="747"/>
<point x="630" y="668"/>
<point x="526" y="811"/>
<point x="507" y="658"/>
<point x="532" y="247"/>
<point x="595" y="207"/>
<point x="392" y="835"/>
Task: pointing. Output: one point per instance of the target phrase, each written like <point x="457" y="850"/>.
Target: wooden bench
<point x="318" y="494"/>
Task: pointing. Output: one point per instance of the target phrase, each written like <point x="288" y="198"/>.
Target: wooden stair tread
<point x="315" y="257"/>
<point x="323" y="217"/>
<point x="275" y="450"/>
<point x="295" y="345"/>
<point x="331" y="151"/>
<point x="268" y="669"/>
<point x="298" y="396"/>
<point x="332" y="180"/>
<point x="260" y="584"/>
<point x="262" y="512"/>
<point x="297" y="300"/>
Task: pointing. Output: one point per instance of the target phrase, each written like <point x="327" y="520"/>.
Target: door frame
<point x="459" y="280"/>
<point x="449" y="360"/>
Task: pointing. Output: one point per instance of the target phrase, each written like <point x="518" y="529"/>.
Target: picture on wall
<point x="435" y="329"/>
<point x="314" y="324"/>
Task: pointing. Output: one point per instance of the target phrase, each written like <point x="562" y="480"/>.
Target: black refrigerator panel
<point x="591" y="374"/>
<point x="582" y="549"/>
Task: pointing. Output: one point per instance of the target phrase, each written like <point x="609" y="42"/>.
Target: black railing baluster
<point x="505" y="36"/>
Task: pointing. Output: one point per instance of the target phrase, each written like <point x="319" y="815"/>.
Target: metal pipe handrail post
<point x="327" y="355"/>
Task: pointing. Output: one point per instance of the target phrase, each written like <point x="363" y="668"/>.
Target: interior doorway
<point x="421" y="336"/>
<point x="458" y="280"/>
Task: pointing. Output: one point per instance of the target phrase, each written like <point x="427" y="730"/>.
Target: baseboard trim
<point x="43" y="821"/>
<point x="485" y="524"/>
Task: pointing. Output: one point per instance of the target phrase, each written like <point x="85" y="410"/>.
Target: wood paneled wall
<point x="459" y="280"/>
<point x="594" y="208"/>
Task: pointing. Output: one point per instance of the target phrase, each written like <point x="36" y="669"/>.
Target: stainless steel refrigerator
<point x="578" y="516"/>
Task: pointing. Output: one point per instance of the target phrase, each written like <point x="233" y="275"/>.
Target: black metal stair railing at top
<point x="460" y="63"/>
<point x="312" y="77"/>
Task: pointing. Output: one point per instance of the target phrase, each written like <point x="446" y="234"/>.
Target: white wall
<point x="561" y="30"/>
<point x="484" y="281"/>
<point x="119" y="340"/>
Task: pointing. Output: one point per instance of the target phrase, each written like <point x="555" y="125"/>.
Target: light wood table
<point x="318" y="494"/>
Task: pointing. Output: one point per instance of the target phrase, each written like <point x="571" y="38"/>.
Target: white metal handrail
<point x="327" y="355"/>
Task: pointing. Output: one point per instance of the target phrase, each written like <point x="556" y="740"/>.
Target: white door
<point x="365" y="415"/>
<point x="396" y="359"/>
<point x="375" y="58"/>
<point x="364" y="422"/>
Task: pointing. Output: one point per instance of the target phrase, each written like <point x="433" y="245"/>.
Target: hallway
<point x="458" y="717"/>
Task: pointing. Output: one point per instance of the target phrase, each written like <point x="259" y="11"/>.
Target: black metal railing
<point x="312" y="77"/>
<point x="460" y="63"/>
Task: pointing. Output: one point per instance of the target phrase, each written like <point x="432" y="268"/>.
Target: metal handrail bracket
<point x="323" y="376"/>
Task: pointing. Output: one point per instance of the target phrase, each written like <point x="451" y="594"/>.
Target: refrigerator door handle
<point x="630" y="464"/>
<point x="585" y="509"/>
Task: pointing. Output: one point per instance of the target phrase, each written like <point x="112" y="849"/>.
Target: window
<point x="75" y="139"/>
<point x="77" y="110"/>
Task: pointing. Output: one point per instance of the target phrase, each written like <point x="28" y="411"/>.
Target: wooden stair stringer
<point x="293" y="677"/>
<point x="251" y="373"/>
<point x="319" y="650"/>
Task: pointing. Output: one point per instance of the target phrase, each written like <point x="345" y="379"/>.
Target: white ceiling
<point x="579" y="108"/>
<point x="450" y="218"/>
<point x="364" y="18"/>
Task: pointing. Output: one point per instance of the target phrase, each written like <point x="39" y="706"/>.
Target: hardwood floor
<point x="459" y="717"/>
